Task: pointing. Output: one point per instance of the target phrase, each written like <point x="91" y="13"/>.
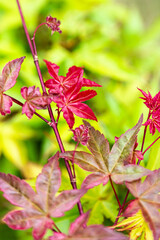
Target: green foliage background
<point x="117" y="43"/>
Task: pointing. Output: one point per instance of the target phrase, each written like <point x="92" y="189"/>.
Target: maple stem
<point x="144" y="136"/>
<point x="151" y="145"/>
<point x="37" y="29"/>
<point x="115" y="192"/>
<point x="121" y="208"/>
<point x="73" y="168"/>
<point x="54" y="125"/>
<point x="58" y="115"/>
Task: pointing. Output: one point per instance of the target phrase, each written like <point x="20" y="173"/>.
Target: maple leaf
<point x="105" y="163"/>
<point x="92" y="232"/>
<point x="59" y="84"/>
<point x="8" y="78"/>
<point x="37" y="207"/>
<point x="81" y="134"/>
<point x="137" y="225"/>
<point x="34" y="100"/>
<point x="136" y="154"/>
<point x="147" y="200"/>
<point x="153" y="103"/>
<point x="148" y="100"/>
<point x="71" y="102"/>
<point x="154" y="122"/>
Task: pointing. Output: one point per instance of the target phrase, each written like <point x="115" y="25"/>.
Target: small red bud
<point x="53" y="24"/>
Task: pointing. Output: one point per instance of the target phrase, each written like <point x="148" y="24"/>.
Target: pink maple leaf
<point x="38" y="208"/>
<point x="71" y="103"/>
<point x="34" y="100"/>
<point x="147" y="199"/>
<point x="107" y="164"/>
<point x="92" y="232"/>
<point x="8" y="78"/>
<point x="59" y="84"/>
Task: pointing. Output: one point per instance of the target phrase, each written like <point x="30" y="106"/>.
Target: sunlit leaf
<point x="105" y="164"/>
<point x="95" y="232"/>
<point x="137" y="225"/>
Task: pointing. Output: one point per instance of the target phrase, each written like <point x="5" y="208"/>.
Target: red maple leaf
<point x="148" y="99"/>
<point x="154" y="122"/>
<point x="92" y="232"/>
<point x="59" y="84"/>
<point x="153" y="103"/>
<point x="71" y="103"/>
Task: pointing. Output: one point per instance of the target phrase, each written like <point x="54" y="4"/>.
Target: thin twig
<point x="121" y="208"/>
<point x="151" y="145"/>
<point x="115" y="192"/>
<point x="73" y="168"/>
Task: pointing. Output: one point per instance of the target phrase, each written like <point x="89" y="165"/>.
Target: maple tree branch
<point x="115" y="192"/>
<point x="54" y="125"/>
<point x="25" y="27"/>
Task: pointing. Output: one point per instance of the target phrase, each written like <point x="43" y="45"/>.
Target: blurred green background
<point x="118" y="44"/>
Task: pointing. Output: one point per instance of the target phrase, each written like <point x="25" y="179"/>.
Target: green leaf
<point x="101" y="202"/>
<point x="109" y="209"/>
<point x="64" y="222"/>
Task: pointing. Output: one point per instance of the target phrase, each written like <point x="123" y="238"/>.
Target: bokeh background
<point x="118" y="44"/>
